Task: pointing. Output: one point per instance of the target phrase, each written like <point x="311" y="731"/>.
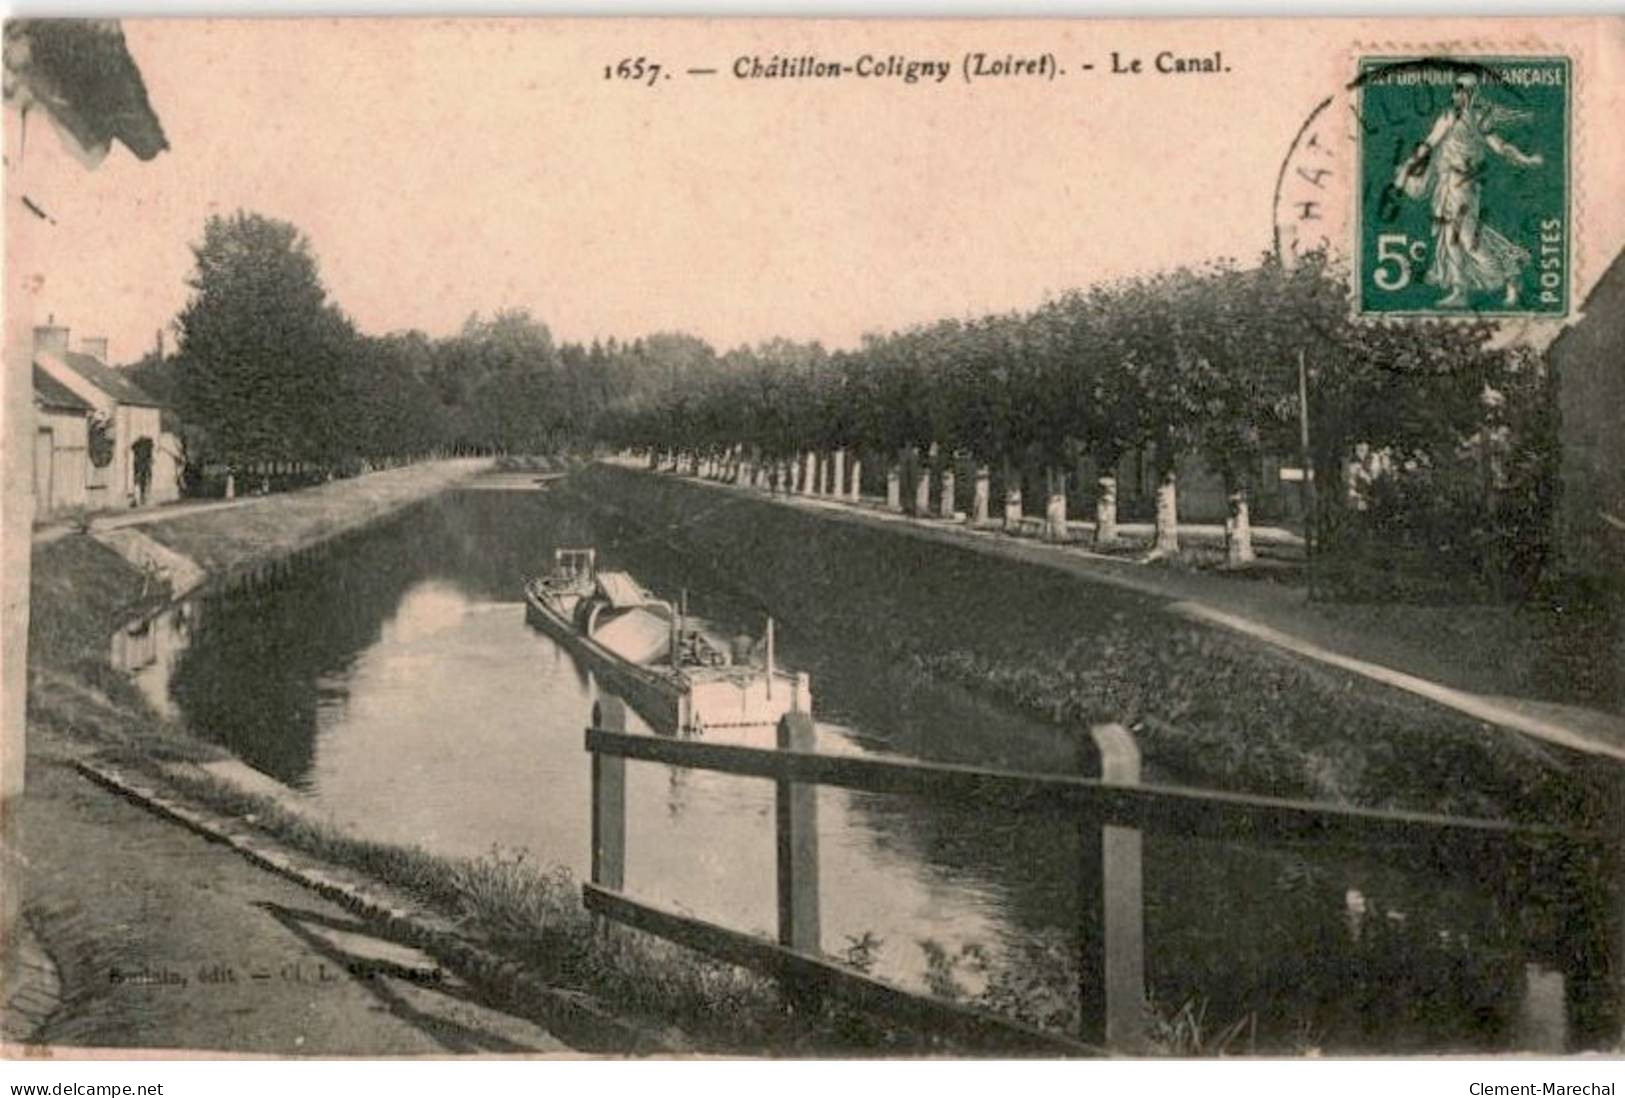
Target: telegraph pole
<point x="1307" y="484"/>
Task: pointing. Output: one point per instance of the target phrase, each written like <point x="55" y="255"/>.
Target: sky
<point x="444" y="167"/>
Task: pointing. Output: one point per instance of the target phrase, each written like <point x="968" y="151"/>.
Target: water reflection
<point x="393" y="678"/>
<point x="149" y="648"/>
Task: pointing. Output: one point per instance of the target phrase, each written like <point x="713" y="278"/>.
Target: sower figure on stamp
<point x="1468" y="256"/>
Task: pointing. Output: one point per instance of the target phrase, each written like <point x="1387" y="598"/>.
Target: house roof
<point x="110" y="381"/>
<point x="81" y="72"/>
<point x="51" y="393"/>
<point x="1610" y="287"/>
<point x="1602" y="305"/>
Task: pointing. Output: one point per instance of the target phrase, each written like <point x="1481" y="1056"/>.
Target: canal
<point x="391" y="680"/>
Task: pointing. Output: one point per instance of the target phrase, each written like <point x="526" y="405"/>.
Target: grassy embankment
<point x="81" y="591"/>
<point x="79" y="704"/>
<point x="1208" y="708"/>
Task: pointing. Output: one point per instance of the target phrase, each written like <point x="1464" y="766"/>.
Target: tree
<point x="1248" y="328"/>
<point x="261" y="350"/>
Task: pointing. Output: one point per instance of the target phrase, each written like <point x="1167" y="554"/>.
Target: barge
<point x="674" y="670"/>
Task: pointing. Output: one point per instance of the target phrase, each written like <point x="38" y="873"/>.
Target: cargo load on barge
<point x="673" y="669"/>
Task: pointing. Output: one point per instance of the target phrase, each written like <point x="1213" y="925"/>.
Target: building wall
<point x="113" y="487"/>
<point x="1588" y="363"/>
<point x="68" y="457"/>
<point x="168" y="461"/>
<point x="121" y="475"/>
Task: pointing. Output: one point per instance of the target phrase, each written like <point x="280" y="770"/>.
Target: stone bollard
<point x="894" y="489"/>
<point x="1106" y="512"/>
<point x="809" y="468"/>
<point x="1238" y="530"/>
<point x="1013" y="510"/>
<point x="1167" y="536"/>
<point x="837" y="484"/>
<point x="947" y="499"/>
<point x="1055" y="516"/>
<point x="922" y="493"/>
<point x="857" y="480"/>
<point x="979" y="500"/>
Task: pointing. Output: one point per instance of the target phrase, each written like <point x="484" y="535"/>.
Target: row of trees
<point x="1202" y="364"/>
<point x="270" y="372"/>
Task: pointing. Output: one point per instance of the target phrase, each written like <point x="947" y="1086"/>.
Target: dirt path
<point x="164" y="940"/>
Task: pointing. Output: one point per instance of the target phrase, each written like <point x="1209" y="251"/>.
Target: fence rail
<point x="1189" y="812"/>
<point x="966" y="1025"/>
<point x="1110" y="809"/>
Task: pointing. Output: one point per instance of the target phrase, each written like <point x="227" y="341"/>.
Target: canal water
<point x="391" y="679"/>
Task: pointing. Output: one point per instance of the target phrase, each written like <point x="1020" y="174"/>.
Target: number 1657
<point x="638" y="69"/>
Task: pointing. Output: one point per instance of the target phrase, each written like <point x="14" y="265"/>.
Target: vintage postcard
<point x="840" y="538"/>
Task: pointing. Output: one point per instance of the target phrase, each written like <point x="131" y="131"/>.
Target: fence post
<point x="797" y="834"/>
<point x="609" y="801"/>
<point x="1111" y="968"/>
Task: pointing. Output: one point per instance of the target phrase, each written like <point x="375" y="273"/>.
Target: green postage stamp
<point x="1463" y="204"/>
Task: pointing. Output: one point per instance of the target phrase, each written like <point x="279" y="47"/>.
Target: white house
<point x="61" y="464"/>
<point x="120" y="414"/>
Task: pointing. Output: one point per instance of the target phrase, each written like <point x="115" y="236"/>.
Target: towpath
<point x="1430" y="652"/>
<point x="384" y="480"/>
<point x="163" y="940"/>
<point x="142" y="934"/>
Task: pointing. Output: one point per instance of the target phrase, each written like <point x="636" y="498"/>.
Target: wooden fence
<point x="1110" y="809"/>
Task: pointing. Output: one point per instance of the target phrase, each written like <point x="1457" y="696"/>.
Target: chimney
<point x="51" y="339"/>
<point x="95" y="347"/>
